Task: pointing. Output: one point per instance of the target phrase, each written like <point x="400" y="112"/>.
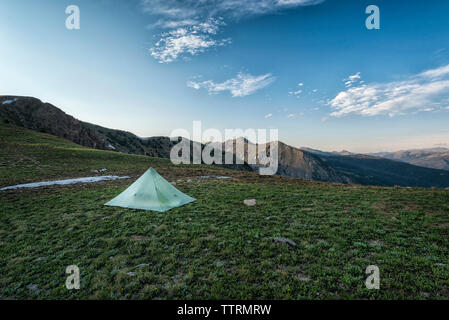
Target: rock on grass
<point x="285" y="240"/>
<point x="250" y="202"/>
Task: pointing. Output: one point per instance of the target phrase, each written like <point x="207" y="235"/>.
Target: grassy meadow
<point x="215" y="247"/>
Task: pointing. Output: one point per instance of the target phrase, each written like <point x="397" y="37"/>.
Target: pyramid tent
<point x="151" y="192"/>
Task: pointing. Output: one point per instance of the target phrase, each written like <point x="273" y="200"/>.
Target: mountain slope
<point x="300" y="164"/>
<point x="29" y="156"/>
<point x="127" y="142"/>
<point x="292" y="162"/>
<point x="32" y="113"/>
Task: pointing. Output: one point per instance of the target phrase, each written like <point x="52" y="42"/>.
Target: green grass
<point x="216" y="247"/>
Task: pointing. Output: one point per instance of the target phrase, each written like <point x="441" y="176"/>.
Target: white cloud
<point x="172" y="24"/>
<point x="355" y="76"/>
<point x="268" y="115"/>
<point x="291" y="116"/>
<point x="189" y="14"/>
<point x="191" y="40"/>
<point x="297" y="92"/>
<point x="240" y="86"/>
<point x="435" y="73"/>
<point x="349" y="81"/>
<point x="297" y="2"/>
<point x="234" y="9"/>
<point x="426" y="91"/>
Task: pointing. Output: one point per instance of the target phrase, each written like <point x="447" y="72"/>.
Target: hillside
<point x="215" y="247"/>
<point x="127" y="142"/>
<point x="31" y="113"/>
<point x="26" y="156"/>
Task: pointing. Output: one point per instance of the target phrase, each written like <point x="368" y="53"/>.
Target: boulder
<point x="250" y="202"/>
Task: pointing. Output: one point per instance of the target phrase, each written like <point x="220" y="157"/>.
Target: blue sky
<point x="309" y="68"/>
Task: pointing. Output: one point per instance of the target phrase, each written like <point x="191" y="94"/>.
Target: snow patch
<point x="215" y="177"/>
<point x="9" y="101"/>
<point x="63" y="182"/>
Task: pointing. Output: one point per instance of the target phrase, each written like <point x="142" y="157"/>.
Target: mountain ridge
<point x="304" y="163"/>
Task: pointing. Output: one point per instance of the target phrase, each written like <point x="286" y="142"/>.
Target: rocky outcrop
<point x="292" y="162"/>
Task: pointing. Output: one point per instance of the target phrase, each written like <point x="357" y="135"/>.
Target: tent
<point x="151" y="192"/>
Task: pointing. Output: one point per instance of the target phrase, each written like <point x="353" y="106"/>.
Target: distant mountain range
<point x="305" y="163"/>
<point x="436" y="158"/>
<point x="345" y="167"/>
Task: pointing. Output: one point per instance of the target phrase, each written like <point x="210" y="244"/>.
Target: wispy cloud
<point x="435" y="73"/>
<point x="295" y="93"/>
<point x="187" y="18"/>
<point x="426" y="91"/>
<point x="291" y="116"/>
<point x="189" y="39"/>
<point x="242" y="85"/>
<point x="268" y="115"/>
<point x="298" y="91"/>
<point x="349" y="81"/>
<point x="232" y="9"/>
<point x="172" y="24"/>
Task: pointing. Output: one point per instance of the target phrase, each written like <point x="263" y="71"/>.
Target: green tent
<point x="151" y="192"/>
